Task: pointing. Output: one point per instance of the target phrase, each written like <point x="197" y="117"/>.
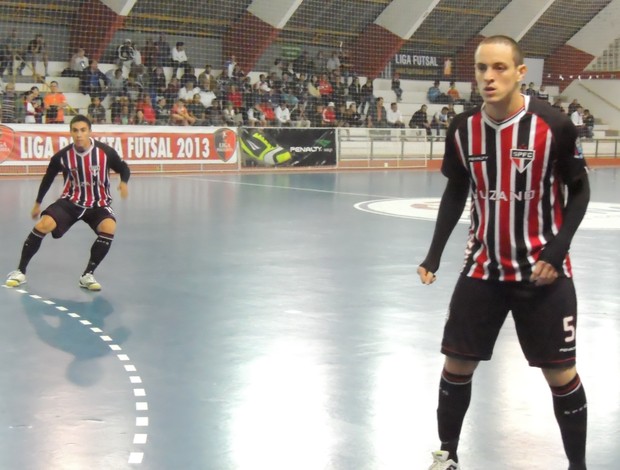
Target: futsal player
<point x="520" y="162"/>
<point x="85" y="165"/>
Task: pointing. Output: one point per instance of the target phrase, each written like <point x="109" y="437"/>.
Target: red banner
<point x="35" y="144"/>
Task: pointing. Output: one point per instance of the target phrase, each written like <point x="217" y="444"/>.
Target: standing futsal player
<point x="520" y="162"/>
<point x="85" y="165"/>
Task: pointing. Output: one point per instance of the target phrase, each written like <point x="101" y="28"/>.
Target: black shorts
<point x="65" y="214"/>
<point x="545" y="319"/>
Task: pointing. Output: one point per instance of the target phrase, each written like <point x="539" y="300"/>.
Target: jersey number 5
<point x="569" y="327"/>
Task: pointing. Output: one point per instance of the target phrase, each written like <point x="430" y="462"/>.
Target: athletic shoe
<point x="88" y="281"/>
<point x="15" y="278"/>
<point x="442" y="462"/>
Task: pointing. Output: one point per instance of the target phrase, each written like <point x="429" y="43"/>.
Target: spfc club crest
<point x="7" y="142"/>
<point x="225" y="144"/>
<point x="521" y="158"/>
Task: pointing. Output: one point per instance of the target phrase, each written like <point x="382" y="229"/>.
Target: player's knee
<point x="107" y="226"/>
<point x="559" y="377"/>
<point x="46" y="224"/>
<point x="460" y="366"/>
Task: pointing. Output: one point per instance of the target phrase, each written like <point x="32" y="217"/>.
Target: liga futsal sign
<point x="136" y="144"/>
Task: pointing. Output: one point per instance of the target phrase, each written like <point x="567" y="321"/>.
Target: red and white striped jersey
<point x="86" y="175"/>
<point x="517" y="170"/>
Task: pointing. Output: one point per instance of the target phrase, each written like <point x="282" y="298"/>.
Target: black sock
<point x="98" y="251"/>
<point x="31" y="246"/>
<point x="571" y="411"/>
<point x="454" y="398"/>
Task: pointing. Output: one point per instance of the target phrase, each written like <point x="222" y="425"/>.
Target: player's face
<point x="80" y="132"/>
<point x="497" y="75"/>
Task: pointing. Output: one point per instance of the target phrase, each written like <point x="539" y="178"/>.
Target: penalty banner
<point x="287" y="146"/>
<point x="35" y="144"/>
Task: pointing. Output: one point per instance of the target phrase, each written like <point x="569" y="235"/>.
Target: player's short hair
<point x="80" y="118"/>
<point x="517" y="53"/>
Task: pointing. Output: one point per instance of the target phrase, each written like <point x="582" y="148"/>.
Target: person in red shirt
<point x="329" y="115"/>
<point x="235" y="97"/>
<point x="144" y="105"/>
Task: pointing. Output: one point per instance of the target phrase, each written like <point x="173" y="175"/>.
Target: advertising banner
<point x="422" y="66"/>
<point x="35" y="144"/>
<point x="287" y="146"/>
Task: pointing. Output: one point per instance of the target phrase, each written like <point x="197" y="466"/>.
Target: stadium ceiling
<point x="328" y="23"/>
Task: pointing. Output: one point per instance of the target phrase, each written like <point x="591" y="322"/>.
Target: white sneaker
<point x="15" y="278"/>
<point x="88" y="281"/>
<point x="442" y="462"/>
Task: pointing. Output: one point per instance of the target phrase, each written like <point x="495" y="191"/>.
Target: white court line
<point x="294" y="188"/>
<point x="141" y="421"/>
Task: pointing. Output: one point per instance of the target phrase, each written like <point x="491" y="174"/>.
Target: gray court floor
<point x="261" y="321"/>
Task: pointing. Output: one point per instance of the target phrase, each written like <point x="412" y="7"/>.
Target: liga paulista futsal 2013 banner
<point x="35" y="144"/>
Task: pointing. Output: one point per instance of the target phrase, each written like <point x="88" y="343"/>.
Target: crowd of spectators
<point x="319" y="91"/>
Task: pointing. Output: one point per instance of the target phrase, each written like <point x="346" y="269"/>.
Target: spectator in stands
<point x="577" y="118"/>
<point x="283" y="115"/>
<point x="172" y="90"/>
<point x="451" y="113"/>
<point x="453" y="94"/>
<point x="231" y="117"/>
<point x="180" y="116"/>
<point x="9" y="99"/>
<point x="149" y="54"/>
<point x="37" y="103"/>
<point x="377" y="115"/>
<point x="145" y="106"/>
<point x="475" y="99"/>
<point x="36" y="51"/>
<point x="531" y="90"/>
<point x="298" y="116"/>
<point x="229" y="66"/>
<point x="275" y="70"/>
<point x="206" y="80"/>
<point x="398" y="91"/>
<point x="333" y="63"/>
<point x="139" y="119"/>
<point x="179" y="59"/>
<point x="523" y="88"/>
<point x="351" y="117"/>
<point x="54" y="105"/>
<point x="125" y="116"/>
<point x="96" y="111"/>
<point x="157" y="82"/>
<point x="440" y="121"/>
<point x="197" y="109"/>
<point x="117" y="85"/>
<point x="134" y="89"/>
<point x="207" y="97"/>
<point x="320" y="63"/>
<point x="588" y="122"/>
<point x="9" y="48"/>
<point x="355" y="91"/>
<point x="394" y="117"/>
<point x="187" y="91"/>
<point x="163" y="54"/>
<point x="77" y="65"/>
<point x="256" y="117"/>
<point x="29" y="112"/>
<point x="419" y="120"/>
<point x="557" y="104"/>
<point x="542" y="93"/>
<point x="572" y="107"/>
<point x="435" y="95"/>
<point x="328" y="116"/>
<point x="94" y="82"/>
<point x="162" y="112"/>
<point x="127" y="55"/>
<point x="368" y="96"/>
<point x="214" y="114"/>
<point x="302" y="64"/>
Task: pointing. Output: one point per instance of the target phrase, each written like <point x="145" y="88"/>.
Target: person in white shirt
<point x="283" y="115"/>
<point x="187" y="91"/>
<point x="79" y="61"/>
<point x="333" y="63"/>
<point x="577" y="118"/>
<point x="179" y="58"/>
<point x="394" y="117"/>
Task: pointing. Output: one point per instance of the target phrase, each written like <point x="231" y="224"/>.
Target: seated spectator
<point x="328" y="117"/>
<point x="351" y="117"/>
<point x="542" y="93"/>
<point x="435" y="95"/>
<point x="149" y="53"/>
<point x="29" y="112"/>
<point x="94" y="82"/>
<point x="148" y="112"/>
<point x="162" y="112"/>
<point x="207" y="97"/>
<point x="326" y="90"/>
<point x="117" y="85"/>
<point x="78" y="64"/>
<point x="394" y="117"/>
<point x="231" y="117"/>
<point x="9" y="104"/>
<point x="440" y="120"/>
<point x="368" y="97"/>
<point x="451" y="113"/>
<point x="523" y="90"/>
<point x="398" y="91"/>
<point x="475" y="99"/>
<point x="572" y="107"/>
<point x="298" y="116"/>
<point x="180" y="116"/>
<point x="588" y="122"/>
<point x="453" y="94"/>
<point x="36" y="51"/>
<point x="54" y="105"/>
<point x="333" y="63"/>
<point x="419" y="120"/>
<point x="125" y="116"/>
<point x="128" y="55"/>
<point x="256" y="117"/>
<point x="206" y="80"/>
<point x="577" y="118"/>
<point x="37" y="103"/>
<point x="187" y="91"/>
<point x="162" y="54"/>
<point x="377" y="115"/>
<point x="139" y="119"/>
<point x="531" y="90"/>
<point x="96" y="111"/>
<point x="171" y="93"/>
<point x="355" y="91"/>
<point x="214" y="114"/>
<point x="557" y="104"/>
<point x="283" y="115"/>
<point x="197" y="109"/>
<point x="133" y="88"/>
